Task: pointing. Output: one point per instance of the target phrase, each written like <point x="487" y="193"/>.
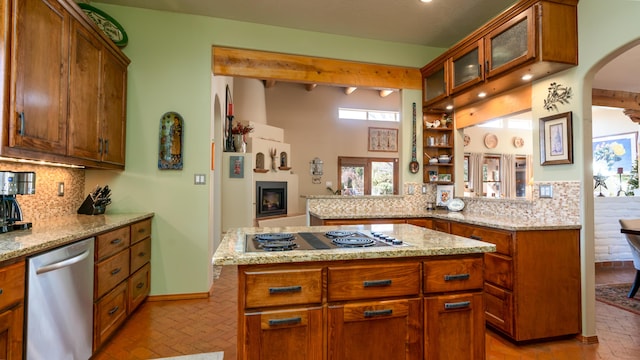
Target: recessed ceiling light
<point x="482" y="94"/>
<point x="425" y="0"/>
<point x="449" y="107"/>
<point x="527" y="77"/>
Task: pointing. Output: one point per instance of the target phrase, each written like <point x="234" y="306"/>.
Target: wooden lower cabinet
<point x="422" y="222"/>
<point x="12" y="291"/>
<point x="362" y="309"/>
<point x="292" y="334"/>
<point x="370" y="329"/>
<point x="109" y="313"/>
<point x="452" y="325"/>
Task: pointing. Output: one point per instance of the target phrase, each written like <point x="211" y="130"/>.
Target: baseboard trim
<point x="588" y="340"/>
<point x="191" y="296"/>
<point x="614" y="264"/>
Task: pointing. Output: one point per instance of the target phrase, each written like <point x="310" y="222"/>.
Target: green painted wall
<point x="171" y="71"/>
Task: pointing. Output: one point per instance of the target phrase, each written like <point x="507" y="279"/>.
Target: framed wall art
<point x="444" y="194"/>
<point x="383" y="139"/>
<point x="556" y="139"/>
<point x="236" y="167"/>
<point x="613" y="152"/>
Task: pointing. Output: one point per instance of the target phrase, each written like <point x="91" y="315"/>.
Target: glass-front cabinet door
<point x="511" y="44"/>
<point x="434" y="83"/>
<point x="466" y="67"/>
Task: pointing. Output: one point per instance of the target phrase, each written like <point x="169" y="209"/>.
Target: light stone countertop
<point x="54" y="232"/>
<point x="498" y="222"/>
<point x="418" y="242"/>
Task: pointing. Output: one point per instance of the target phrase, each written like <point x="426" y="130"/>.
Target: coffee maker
<point x="12" y="184"/>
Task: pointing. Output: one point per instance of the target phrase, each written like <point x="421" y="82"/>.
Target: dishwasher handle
<point x="64" y="263"/>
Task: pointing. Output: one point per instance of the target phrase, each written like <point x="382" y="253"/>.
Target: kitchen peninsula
<point x="423" y="296"/>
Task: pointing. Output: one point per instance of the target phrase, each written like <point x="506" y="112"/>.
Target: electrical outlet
<point x="199" y="179"/>
<point x="424" y="189"/>
<point x="546" y="191"/>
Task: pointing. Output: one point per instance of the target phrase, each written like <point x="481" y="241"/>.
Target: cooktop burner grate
<point x="274" y="237"/>
<point x="278" y="245"/>
<point x="339" y="233"/>
<point x="353" y="241"/>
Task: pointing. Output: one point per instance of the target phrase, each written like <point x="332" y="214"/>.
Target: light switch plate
<point x="546" y="191"/>
<point x="199" y="179"/>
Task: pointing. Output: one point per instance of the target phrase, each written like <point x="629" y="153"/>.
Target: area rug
<point x="208" y="356"/>
<point x="616" y="295"/>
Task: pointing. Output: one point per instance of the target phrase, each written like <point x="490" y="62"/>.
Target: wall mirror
<point x="497" y="157"/>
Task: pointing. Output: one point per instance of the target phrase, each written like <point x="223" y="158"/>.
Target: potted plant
<point x="632" y="183"/>
<point x="238" y="132"/>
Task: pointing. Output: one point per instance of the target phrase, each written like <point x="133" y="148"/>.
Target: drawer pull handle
<point x="286" y="321"/>
<point x="457" y="305"/>
<point x="116" y="241"/>
<point x="456" y="277"/>
<point x="374" y="313"/>
<point x="475" y="237"/>
<point x="142" y="231"/>
<point x="1" y="291"/>
<point x="375" y="283"/>
<point x="140" y="285"/>
<point x="142" y="253"/>
<point x="285" y="289"/>
<point x="115" y="271"/>
<point x="113" y="311"/>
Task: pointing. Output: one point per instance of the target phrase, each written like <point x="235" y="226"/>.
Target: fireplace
<point x="271" y="198"/>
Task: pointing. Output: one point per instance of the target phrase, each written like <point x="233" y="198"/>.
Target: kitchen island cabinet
<point x="12" y="287"/>
<point x="346" y="303"/>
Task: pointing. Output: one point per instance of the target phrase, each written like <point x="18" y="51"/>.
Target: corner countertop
<point x="419" y="242"/>
<point x="498" y="222"/>
<point x="54" y="232"/>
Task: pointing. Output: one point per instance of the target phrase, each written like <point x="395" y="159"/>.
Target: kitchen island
<point x="419" y="299"/>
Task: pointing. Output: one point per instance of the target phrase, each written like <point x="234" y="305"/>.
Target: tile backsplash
<point x="45" y="202"/>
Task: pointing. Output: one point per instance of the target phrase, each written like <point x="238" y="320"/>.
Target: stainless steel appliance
<point x="60" y="303"/>
<point x="334" y="239"/>
<point x="12" y="184"/>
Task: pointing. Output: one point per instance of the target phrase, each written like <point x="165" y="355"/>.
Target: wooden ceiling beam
<point x="312" y="70"/>
<point x="269" y="83"/>
<point x="613" y="98"/>
<point x="310" y="87"/>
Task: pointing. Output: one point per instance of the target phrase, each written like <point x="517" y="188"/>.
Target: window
<point x="368" y="115"/>
<point x="368" y="176"/>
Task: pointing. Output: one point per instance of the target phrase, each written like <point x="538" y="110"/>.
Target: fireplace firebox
<point x="271" y="198"/>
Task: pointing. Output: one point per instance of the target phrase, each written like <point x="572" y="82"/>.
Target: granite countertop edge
<point x="54" y="232"/>
<point x="474" y="219"/>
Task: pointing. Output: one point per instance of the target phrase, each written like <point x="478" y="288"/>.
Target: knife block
<point x="89" y="207"/>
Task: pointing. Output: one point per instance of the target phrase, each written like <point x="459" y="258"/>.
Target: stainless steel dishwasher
<point x="60" y="303"/>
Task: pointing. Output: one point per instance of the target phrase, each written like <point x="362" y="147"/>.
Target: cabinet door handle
<point x="140" y="285"/>
<point x="21" y="118"/>
<point x="475" y="237"/>
<point x="374" y="313"/>
<point x="106" y="146"/>
<point x="116" y="241"/>
<point x="113" y="311"/>
<point x="286" y="321"/>
<point x="457" y="305"/>
<point x="377" y="283"/>
<point x="142" y="231"/>
<point x="285" y="289"/>
<point x="99" y="145"/>
<point x="456" y="277"/>
<point x="115" y="271"/>
<point x="1" y="291"/>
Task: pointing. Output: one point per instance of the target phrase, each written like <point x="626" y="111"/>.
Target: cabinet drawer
<point x="452" y="275"/>
<point x="285" y="287"/>
<point x="112" y="242"/>
<point x="498" y="308"/>
<point x="502" y="239"/>
<point x="139" y="286"/>
<point x="110" y="272"/>
<point x="498" y="269"/>
<point x="140" y="254"/>
<point x="11" y="284"/>
<point x="108" y="314"/>
<point x="442" y="225"/>
<point x="367" y="282"/>
<point x="140" y="230"/>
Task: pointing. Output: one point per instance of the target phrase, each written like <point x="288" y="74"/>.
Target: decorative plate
<point x="490" y="141"/>
<point x="456" y="205"/>
<point x="467" y="140"/>
<point x="518" y="142"/>
<point x="107" y="24"/>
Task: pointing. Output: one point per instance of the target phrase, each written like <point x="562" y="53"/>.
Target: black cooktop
<point x="335" y="239"/>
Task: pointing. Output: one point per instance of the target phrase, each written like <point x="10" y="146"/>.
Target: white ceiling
<point x="440" y="23"/>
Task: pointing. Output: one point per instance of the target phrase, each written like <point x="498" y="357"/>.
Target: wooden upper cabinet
<point x="434" y="83"/>
<point x="511" y="44"/>
<point x="466" y="67"/>
<point x="113" y="109"/>
<point x="40" y="48"/>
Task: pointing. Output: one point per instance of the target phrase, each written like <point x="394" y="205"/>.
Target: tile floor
<point x="174" y="328"/>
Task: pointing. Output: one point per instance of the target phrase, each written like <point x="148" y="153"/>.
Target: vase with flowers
<point x="238" y="133"/>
